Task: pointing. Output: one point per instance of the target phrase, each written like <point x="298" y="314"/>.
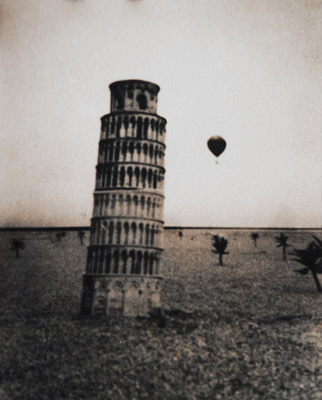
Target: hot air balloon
<point x="216" y="145"/>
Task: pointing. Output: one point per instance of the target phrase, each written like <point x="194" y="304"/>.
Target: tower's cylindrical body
<point x="123" y="274"/>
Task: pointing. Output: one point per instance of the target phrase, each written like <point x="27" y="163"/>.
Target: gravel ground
<point x="251" y="329"/>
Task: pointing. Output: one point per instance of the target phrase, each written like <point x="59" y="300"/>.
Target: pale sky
<point x="247" y="70"/>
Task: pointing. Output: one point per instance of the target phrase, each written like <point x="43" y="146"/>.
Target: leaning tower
<point x="126" y="241"/>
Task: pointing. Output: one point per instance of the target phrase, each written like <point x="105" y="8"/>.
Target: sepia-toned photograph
<point x="161" y="200"/>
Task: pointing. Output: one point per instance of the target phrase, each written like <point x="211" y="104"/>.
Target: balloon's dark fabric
<point x="216" y="145"/>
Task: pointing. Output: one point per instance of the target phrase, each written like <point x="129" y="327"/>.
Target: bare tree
<point x="17" y="245"/>
<point x="220" y="245"/>
<point x="254" y="237"/>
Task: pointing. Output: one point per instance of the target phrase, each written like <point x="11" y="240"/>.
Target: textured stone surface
<point x="123" y="275"/>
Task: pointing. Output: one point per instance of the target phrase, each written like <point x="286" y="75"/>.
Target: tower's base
<point x="116" y="295"/>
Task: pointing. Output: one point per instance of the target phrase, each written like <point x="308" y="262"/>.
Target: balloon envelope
<point x="216" y="145"/>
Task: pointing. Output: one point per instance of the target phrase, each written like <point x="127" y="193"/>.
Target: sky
<point x="247" y="70"/>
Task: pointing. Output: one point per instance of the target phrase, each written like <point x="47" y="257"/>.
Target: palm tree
<point x="255" y="236"/>
<point x="282" y="242"/>
<point x="81" y="235"/>
<point x="311" y="258"/>
<point x="17" y="245"/>
<point x="220" y="245"/>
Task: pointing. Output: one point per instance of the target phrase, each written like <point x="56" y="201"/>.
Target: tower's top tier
<point x="134" y="95"/>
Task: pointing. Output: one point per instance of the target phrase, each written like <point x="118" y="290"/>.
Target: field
<point x="251" y="329"/>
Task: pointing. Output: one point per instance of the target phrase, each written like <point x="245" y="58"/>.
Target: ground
<point x="251" y="329"/>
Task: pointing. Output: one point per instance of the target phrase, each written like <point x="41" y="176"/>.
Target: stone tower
<point x="126" y="241"/>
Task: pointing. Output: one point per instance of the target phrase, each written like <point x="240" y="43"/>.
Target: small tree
<point x="17" y="245"/>
<point x="220" y="245"/>
<point x="254" y="236"/>
<point x="311" y="258"/>
<point x="81" y="235"/>
<point x="60" y="235"/>
<point x="282" y="242"/>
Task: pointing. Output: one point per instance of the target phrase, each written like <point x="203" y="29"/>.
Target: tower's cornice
<point x="126" y="113"/>
<point x="134" y="82"/>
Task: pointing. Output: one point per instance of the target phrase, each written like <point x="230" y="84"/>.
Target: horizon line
<point x="174" y="227"/>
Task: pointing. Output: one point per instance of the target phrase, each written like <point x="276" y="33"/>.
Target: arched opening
<point x="104" y="223"/>
<point x="118" y="102"/>
<point x="108" y="261"/>
<point x="145" y="151"/>
<point x="126" y="123"/>
<point x="101" y="260"/>
<point x="110" y="232"/>
<point x="130" y="174"/>
<point x="138" y="149"/>
<point x="148" y="203"/>
<point x="137" y="175"/>
<point x="115" y="176"/>
<point x="118" y="126"/>
<point x="146" y="127"/>
<point x="132" y="257"/>
<point x="126" y="231"/>
<point x="151" y="152"/>
<point x="155" y="179"/>
<point x="156" y="152"/>
<point x="150" y="178"/>
<point x="132" y="122"/>
<point x="133" y="230"/>
<point x="94" y="261"/>
<point x="116" y="262"/>
<point x="107" y="200"/>
<point x="146" y="262"/>
<point x="118" y="232"/>
<point x="113" y="203"/>
<point x="128" y="201"/>
<point x="122" y="176"/>
<point x="136" y="202"/>
<point x="124" y="261"/>
<point x="131" y="149"/>
<point x="142" y="101"/>
<point x="151" y="264"/>
<point x="108" y="176"/>
<point x="153" y="208"/>
<point x="152" y="235"/>
<point x="124" y="150"/>
<point x="117" y="151"/>
<point x="139" y="262"/>
<point x="142" y="202"/>
<point x="141" y="233"/>
<point x="139" y="128"/>
<point x="143" y="176"/>
<point x="112" y="126"/>
<point x="121" y="199"/>
<point x="160" y="179"/>
<point x="147" y="234"/>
